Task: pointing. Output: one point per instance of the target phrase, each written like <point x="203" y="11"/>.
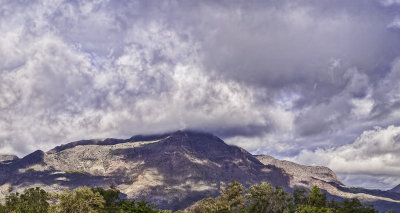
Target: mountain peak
<point x="135" y="138"/>
<point x="171" y="170"/>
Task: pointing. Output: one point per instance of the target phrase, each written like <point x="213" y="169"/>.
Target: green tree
<point x="314" y="209"/>
<point x="111" y="198"/>
<point x="33" y="200"/>
<point x="231" y="200"/>
<point x="12" y="202"/>
<point x="81" y="200"/>
<point x="300" y="196"/>
<point x="132" y="206"/>
<point x="264" y="198"/>
<point x="354" y="205"/>
<point x="2" y="208"/>
<point x="316" y="197"/>
<point x="333" y="204"/>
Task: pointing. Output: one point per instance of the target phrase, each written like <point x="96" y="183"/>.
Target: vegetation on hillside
<point x="262" y="198"/>
<point x="265" y="198"/>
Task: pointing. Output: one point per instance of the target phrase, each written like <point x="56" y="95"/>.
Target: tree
<point x="33" y="200"/>
<point x="300" y="196"/>
<point x="231" y="200"/>
<point x="2" y="208"/>
<point x="81" y="200"/>
<point x="316" y="197"/>
<point x="132" y="206"/>
<point x="354" y="205"/>
<point x="267" y="199"/>
<point x="313" y="209"/>
<point x="111" y="197"/>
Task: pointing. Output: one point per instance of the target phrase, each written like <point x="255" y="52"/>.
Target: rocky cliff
<point x="171" y="170"/>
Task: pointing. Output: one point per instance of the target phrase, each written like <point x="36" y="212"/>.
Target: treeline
<point x="265" y="198"/>
<point x="262" y="198"/>
<point x="80" y="200"/>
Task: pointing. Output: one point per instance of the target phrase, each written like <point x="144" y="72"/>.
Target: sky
<point x="316" y="82"/>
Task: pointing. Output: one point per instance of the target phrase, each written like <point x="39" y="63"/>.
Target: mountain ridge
<point x="172" y="170"/>
<point x="395" y="189"/>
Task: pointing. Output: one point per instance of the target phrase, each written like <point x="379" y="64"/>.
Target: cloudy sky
<point x="313" y="81"/>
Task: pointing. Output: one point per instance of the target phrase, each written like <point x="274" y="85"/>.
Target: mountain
<point x="8" y="158"/>
<point x="171" y="170"/>
<point x="302" y="176"/>
<point x="323" y="177"/>
<point x="396" y="189"/>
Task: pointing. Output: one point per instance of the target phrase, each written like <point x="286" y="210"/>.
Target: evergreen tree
<point x="300" y="196"/>
<point x="316" y="197"/>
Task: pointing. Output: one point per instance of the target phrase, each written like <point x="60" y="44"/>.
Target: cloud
<point x="374" y="155"/>
<point x="55" y="89"/>
<point x="390" y="2"/>
<point x="275" y="77"/>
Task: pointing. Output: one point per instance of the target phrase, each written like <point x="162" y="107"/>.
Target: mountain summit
<point x="171" y="170"/>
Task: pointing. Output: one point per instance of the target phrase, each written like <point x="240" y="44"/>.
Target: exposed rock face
<point x="171" y="170"/>
<point x="8" y="158"/>
<point x="326" y="179"/>
<point x="302" y="176"/>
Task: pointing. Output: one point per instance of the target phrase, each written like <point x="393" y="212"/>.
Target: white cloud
<point x="373" y="155"/>
<point x="55" y="90"/>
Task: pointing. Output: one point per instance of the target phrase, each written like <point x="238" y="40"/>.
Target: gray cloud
<point x="276" y="77"/>
<point x="373" y="154"/>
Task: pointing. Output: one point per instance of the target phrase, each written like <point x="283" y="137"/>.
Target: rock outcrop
<point x="300" y="175"/>
<point x="8" y="158"/>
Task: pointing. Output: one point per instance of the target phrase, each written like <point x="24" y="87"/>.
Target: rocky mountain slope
<point x="171" y="170"/>
<point x="326" y="179"/>
<point x="8" y="158"/>
<point x="302" y="176"/>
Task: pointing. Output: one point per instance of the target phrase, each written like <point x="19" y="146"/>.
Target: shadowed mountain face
<point x="395" y="189"/>
<point x="171" y="170"/>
